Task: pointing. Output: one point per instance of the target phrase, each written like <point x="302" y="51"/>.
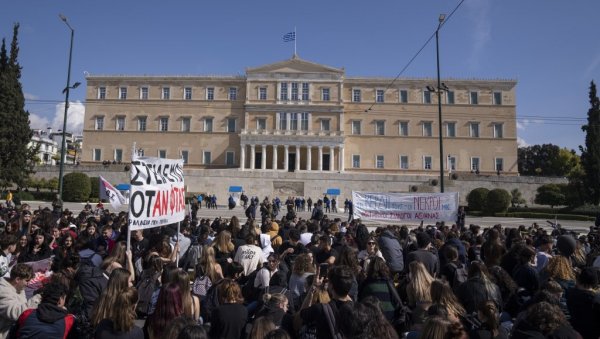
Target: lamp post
<point x="66" y="92"/>
<point x="439" y="93"/>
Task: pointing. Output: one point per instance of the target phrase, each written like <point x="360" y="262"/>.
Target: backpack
<point x="146" y="286"/>
<point x="210" y="302"/>
<point x="191" y="256"/>
<point x="201" y="286"/>
<point x="250" y="292"/>
<point x="318" y="214"/>
<point x="460" y="275"/>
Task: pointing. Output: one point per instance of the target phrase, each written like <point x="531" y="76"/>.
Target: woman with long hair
<point x="441" y="293"/>
<point x="418" y="291"/>
<point x="168" y="307"/>
<point x="118" y="282"/>
<point x="22" y="246"/>
<point x="65" y="246"/>
<point x="260" y="327"/>
<point x="224" y="248"/>
<point x="371" y="251"/>
<point x="120" y="322"/>
<point x="118" y="258"/>
<point x="489" y="317"/>
<point x="441" y="328"/>
<point x="302" y="269"/>
<point x="208" y="272"/>
<point x="38" y="248"/>
<point x="228" y="320"/>
<point x="191" y="303"/>
<point x="478" y="288"/>
<point x="275" y="307"/>
<point x="377" y="284"/>
<point x="559" y="269"/>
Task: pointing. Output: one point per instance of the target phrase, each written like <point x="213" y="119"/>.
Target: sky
<point x="549" y="46"/>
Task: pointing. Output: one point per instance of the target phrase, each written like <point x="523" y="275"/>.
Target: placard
<point x="405" y="207"/>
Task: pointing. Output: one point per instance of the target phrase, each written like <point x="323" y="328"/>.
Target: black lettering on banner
<point x="148" y="176"/>
<point x="150" y="195"/>
<point x="134" y="197"/>
<point x="136" y="173"/>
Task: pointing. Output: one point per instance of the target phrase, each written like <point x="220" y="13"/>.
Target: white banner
<point x="107" y="191"/>
<point x="405" y="207"/>
<point x="157" y="195"/>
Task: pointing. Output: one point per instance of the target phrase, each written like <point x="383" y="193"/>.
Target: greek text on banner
<point x="405" y="207"/>
<point x="157" y="195"/>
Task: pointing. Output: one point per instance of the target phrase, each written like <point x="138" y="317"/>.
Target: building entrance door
<point x="258" y="160"/>
<point x="326" y="162"/>
<point x="291" y="162"/>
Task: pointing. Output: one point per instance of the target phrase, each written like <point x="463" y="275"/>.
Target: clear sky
<point x="551" y="47"/>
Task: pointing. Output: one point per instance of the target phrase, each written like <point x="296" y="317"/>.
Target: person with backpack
<point x="424" y="254"/>
<point x="147" y="284"/>
<point x="454" y="272"/>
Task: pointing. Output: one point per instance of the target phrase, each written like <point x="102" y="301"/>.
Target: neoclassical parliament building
<point x="300" y="116"/>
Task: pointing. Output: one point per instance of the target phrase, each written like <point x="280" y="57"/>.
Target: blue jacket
<point x="47" y="321"/>
<point x="391" y="250"/>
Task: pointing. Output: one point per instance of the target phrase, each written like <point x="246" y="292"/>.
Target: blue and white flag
<point x="291" y="36"/>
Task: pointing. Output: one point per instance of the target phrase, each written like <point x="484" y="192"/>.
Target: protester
<point x="12" y="297"/>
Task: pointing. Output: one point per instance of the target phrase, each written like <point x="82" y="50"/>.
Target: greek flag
<point x="291" y="36"/>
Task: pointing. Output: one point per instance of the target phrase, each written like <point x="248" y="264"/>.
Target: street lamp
<point x="439" y="93"/>
<point x="66" y="92"/>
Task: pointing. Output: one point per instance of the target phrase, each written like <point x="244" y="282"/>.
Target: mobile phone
<point x="323" y="269"/>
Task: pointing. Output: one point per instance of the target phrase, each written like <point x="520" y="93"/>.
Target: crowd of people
<point x="72" y="275"/>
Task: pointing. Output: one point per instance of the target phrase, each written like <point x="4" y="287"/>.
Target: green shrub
<point x="43" y="195"/>
<point x="497" y="200"/>
<point x="550" y="194"/>
<point x="76" y="187"/>
<point x="95" y="183"/>
<point x="477" y="198"/>
<point x="547" y="216"/>
<point x="24" y="196"/>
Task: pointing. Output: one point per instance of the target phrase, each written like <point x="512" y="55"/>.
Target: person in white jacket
<point x="13" y="301"/>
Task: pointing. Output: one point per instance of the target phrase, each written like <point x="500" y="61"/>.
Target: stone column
<point x="252" y="156"/>
<point x="320" y="158"/>
<point x="297" y="157"/>
<point x="308" y="158"/>
<point x="275" y="157"/>
<point x="263" y="160"/>
<point x="331" y="154"/>
<point x="243" y="157"/>
<point x="341" y="156"/>
<point x="286" y="157"/>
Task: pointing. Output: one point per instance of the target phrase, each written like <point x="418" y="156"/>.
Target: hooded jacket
<point x="391" y="250"/>
<point x="273" y="233"/>
<point x="48" y="321"/>
<point x="265" y="244"/>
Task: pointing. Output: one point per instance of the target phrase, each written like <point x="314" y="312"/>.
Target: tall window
<point x="206" y="157"/>
<point x="294" y="91"/>
<point x="120" y="123"/>
<point x="231" y="125"/>
<point x="229" y="158"/>
<point x="185" y="156"/>
<point x="187" y="93"/>
<point x="208" y="124"/>
<point x="102" y="93"/>
<point x="325" y="124"/>
<point x="166" y="93"/>
<point x="144" y="93"/>
<point x="186" y="124"/>
<point x="118" y="155"/>
<point x="282" y="121"/>
<point x="427" y="129"/>
<point x="474" y="129"/>
<point x="122" y="93"/>
<point x="356" y="128"/>
<point x="474" y="97"/>
<point x="283" y="91"/>
<point x="451" y="129"/>
<point x="262" y="93"/>
<point x="379" y="127"/>
<point x="379" y="96"/>
<point x="261" y="123"/>
<point x="498" y="131"/>
<point x="210" y="93"/>
<point x="451" y="163"/>
<point x="325" y="94"/>
<point x="356" y="95"/>
<point x="232" y="93"/>
<point x="379" y="161"/>
<point x="162" y="153"/>
<point x="450" y="97"/>
<point x="474" y="164"/>
<point x="99" y="123"/>
<point x="97" y="154"/>
<point x="304" y="121"/>
<point x="427" y="162"/>
<point x="305" y="92"/>
<point x="142" y="123"/>
<point x="404" y="162"/>
<point x="403" y="125"/>
<point x="293" y="121"/>
<point x="403" y="96"/>
<point x="426" y="97"/>
<point x="164" y="124"/>
<point x="497" y="98"/>
<point x="499" y="165"/>
<point x="355" y="161"/>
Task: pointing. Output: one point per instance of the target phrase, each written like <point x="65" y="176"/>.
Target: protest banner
<point x="157" y="195"/>
<point x="405" y="207"/>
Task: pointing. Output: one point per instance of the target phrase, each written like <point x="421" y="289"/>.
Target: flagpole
<point x="133" y="155"/>
<point x="178" y="230"/>
<point x="295" y="38"/>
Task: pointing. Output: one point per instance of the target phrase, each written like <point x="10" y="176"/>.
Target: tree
<point x="497" y="200"/>
<point x="590" y="155"/>
<point x="77" y="187"/>
<point x="551" y="194"/>
<point x="477" y="198"/>
<point x="52" y="184"/>
<point x="16" y="158"/>
<point x="516" y="198"/>
<point x="545" y="160"/>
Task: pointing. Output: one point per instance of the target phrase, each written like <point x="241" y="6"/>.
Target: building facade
<point x="297" y="115"/>
<point x="47" y="148"/>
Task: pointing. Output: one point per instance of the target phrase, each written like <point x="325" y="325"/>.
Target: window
<point x="206" y="157"/>
<point x="305" y="92"/>
<point x="185" y="124"/>
<point x="97" y="154"/>
<point x="355" y="161"/>
<point x="120" y="123"/>
<point x="229" y="158"/>
<point x="403" y="96"/>
<point x="187" y="93"/>
<point x="232" y="93"/>
<point x="451" y="163"/>
<point x="283" y="91"/>
<point x="497" y="98"/>
<point x="144" y="93"/>
<point x="451" y="129"/>
<point x="356" y="128"/>
<point x="325" y="94"/>
<point x="262" y="93"/>
<point x="498" y="131"/>
<point x="427" y="162"/>
<point x="293" y="121"/>
<point x="118" y="155"/>
<point x="122" y="93"/>
<point x="164" y="124"/>
<point x="208" y="124"/>
<point x="166" y="93"/>
<point x="450" y="97"/>
<point x="101" y="93"/>
<point x="427" y="129"/>
<point x="379" y="161"/>
<point x="140" y="152"/>
<point x="142" y="123"/>
<point x="474" y="97"/>
<point x="499" y="166"/>
<point x="474" y="129"/>
<point x="325" y="124"/>
<point x="379" y="97"/>
<point x="282" y="121"/>
<point x="404" y="162"/>
<point x="426" y="97"/>
<point x="379" y="127"/>
<point x="304" y="121"/>
<point x="185" y="156"/>
<point x="294" y="91"/>
<point x="231" y="125"/>
<point x="403" y="125"/>
<point x="162" y="153"/>
<point x="474" y="164"/>
<point x="99" y="123"/>
<point x="210" y="93"/>
<point x="261" y="123"/>
<point x="356" y="97"/>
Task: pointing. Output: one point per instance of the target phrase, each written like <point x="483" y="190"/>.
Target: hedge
<point x="76" y="187"/>
<point x="497" y="200"/>
<point x="477" y="198"/>
<point x="95" y="186"/>
<point x="547" y="216"/>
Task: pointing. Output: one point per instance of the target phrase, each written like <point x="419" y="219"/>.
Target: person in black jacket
<point x="478" y="288"/>
<point x="38" y="248"/>
<point x="392" y="251"/>
<point x="583" y="303"/>
<point x="424" y="255"/>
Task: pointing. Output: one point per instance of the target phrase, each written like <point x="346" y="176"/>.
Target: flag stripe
<point x="291" y="36"/>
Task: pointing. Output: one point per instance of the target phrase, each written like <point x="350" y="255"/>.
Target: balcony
<point x="292" y="132"/>
<point x="282" y="137"/>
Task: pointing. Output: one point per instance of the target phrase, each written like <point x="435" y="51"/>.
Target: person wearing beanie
<point x="424" y="255"/>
